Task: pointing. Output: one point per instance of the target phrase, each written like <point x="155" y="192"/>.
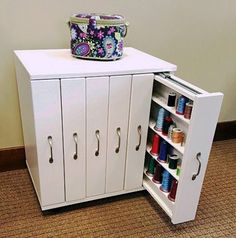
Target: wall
<point x="198" y="36"/>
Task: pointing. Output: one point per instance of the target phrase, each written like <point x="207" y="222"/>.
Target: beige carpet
<point x="134" y="215"/>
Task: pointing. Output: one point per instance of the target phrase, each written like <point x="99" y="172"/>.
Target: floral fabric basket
<point x="99" y="37"/>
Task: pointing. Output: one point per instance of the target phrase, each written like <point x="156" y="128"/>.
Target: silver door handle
<point x="199" y="166"/>
<point x="75" y="137"/>
<point x="98" y="142"/>
<point x="50" y="145"/>
<point x="140" y="137"/>
<point x="118" y="133"/>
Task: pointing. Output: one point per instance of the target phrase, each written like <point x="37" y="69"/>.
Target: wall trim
<point x="225" y="131"/>
<point x="14" y="157"/>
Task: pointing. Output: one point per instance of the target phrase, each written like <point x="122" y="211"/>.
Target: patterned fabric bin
<point x="99" y="37"/>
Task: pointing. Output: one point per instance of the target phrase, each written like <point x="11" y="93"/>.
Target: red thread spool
<point x="166" y="124"/>
<point x="155" y="145"/>
<point x="158" y="174"/>
<point x="173" y="190"/>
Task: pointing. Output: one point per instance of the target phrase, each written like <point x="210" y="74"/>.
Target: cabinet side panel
<point x="141" y="93"/>
<point x="47" y="115"/>
<point x="119" y="96"/>
<point x="199" y="139"/>
<point x="73" y="111"/>
<point x="97" y="112"/>
<point x="27" y="119"/>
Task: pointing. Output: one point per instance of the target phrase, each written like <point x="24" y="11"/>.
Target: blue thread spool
<point x="163" y="151"/>
<point x="160" y="119"/>
<point x="181" y="105"/>
<point x="166" y="181"/>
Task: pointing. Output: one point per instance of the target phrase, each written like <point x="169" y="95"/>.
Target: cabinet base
<point x="44" y="208"/>
<point x="67" y="203"/>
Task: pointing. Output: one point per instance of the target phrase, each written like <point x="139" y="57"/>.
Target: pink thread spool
<point x="173" y="190"/>
<point x="155" y="145"/>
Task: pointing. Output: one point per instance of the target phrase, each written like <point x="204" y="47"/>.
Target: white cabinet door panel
<point x="97" y="112"/>
<point x="199" y="140"/>
<point x="47" y="116"/>
<point x="73" y="111"/>
<point x="141" y="94"/>
<point x="119" y="96"/>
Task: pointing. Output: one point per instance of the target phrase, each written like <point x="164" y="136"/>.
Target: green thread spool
<point x="178" y="167"/>
<point x="151" y="167"/>
<point x="178" y="171"/>
<point x="173" y="160"/>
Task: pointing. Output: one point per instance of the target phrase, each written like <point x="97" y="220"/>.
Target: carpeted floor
<point x="134" y="215"/>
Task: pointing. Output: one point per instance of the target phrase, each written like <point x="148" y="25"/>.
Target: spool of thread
<point x="182" y="142"/>
<point x="158" y="174"/>
<point x="178" y="167"/>
<point x="177" y="135"/>
<point x="170" y="130"/>
<point x="151" y="167"/>
<point x="173" y="190"/>
<point x="188" y="110"/>
<point x="166" y="124"/>
<point x="163" y="151"/>
<point x="155" y="145"/>
<point x="160" y="119"/>
<point x="181" y="105"/>
<point x="173" y="160"/>
<point x="166" y="181"/>
<point x="171" y="99"/>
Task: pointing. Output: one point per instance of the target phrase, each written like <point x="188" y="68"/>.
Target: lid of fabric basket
<point x="103" y="19"/>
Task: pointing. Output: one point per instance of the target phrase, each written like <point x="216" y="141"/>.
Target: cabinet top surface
<point x="59" y="63"/>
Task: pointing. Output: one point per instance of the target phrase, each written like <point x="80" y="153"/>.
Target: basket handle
<point x="126" y="29"/>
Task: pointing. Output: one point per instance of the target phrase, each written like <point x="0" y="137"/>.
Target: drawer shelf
<point x="160" y="197"/>
<point x="163" y="103"/>
<point x="177" y="146"/>
<point x="164" y="165"/>
<point x="178" y="87"/>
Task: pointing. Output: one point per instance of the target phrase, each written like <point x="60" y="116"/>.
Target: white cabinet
<point x="86" y="125"/>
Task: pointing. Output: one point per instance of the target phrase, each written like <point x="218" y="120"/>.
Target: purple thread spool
<point x="158" y="174"/>
<point x="163" y="151"/>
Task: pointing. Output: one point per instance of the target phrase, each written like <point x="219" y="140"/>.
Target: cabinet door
<point x="97" y="113"/>
<point x="199" y="132"/>
<point x="73" y="111"/>
<point x="48" y="131"/>
<point x="198" y="145"/>
<point x="119" y="96"/>
<point x="141" y="93"/>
